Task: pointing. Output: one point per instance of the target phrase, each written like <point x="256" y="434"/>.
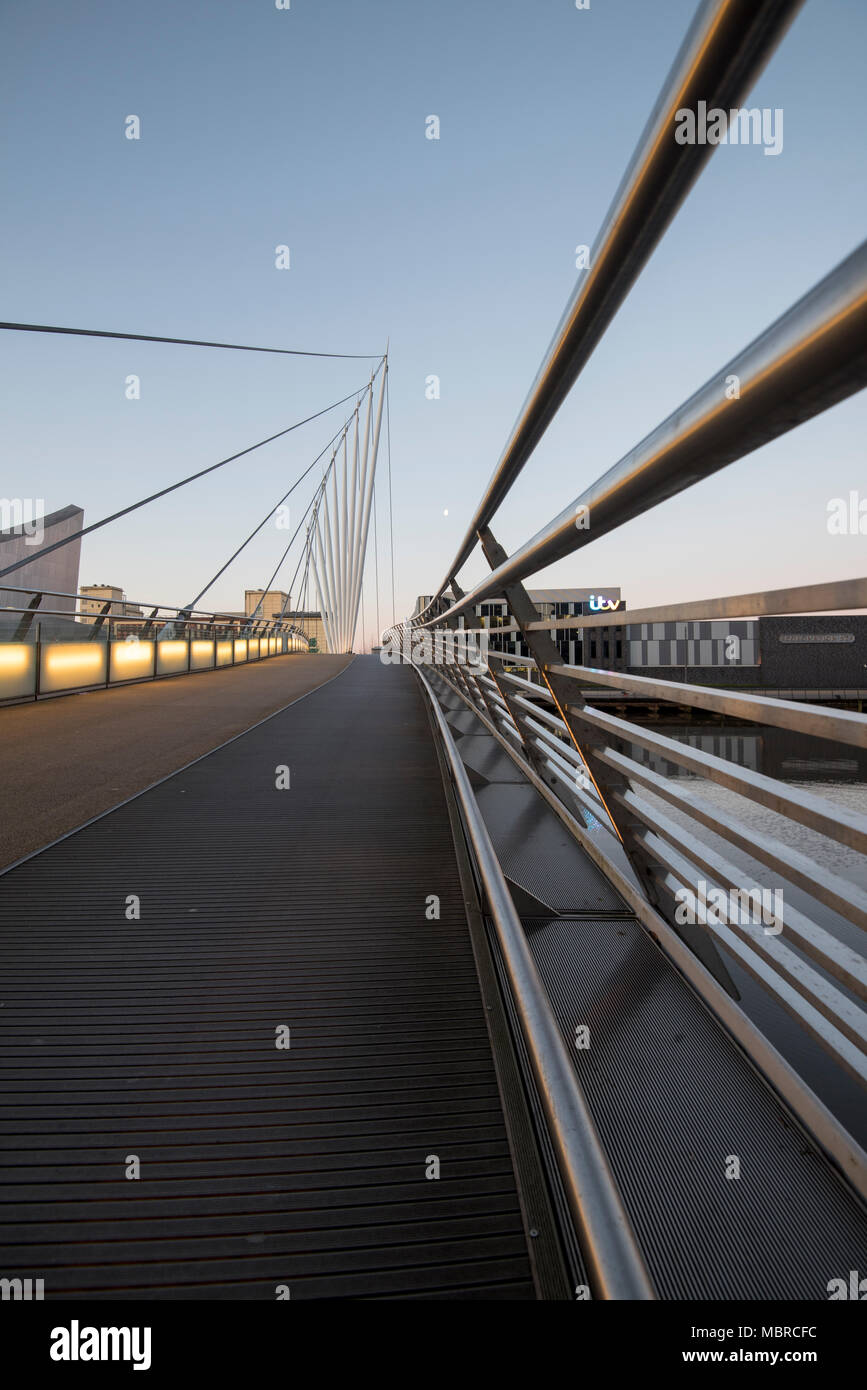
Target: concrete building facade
<point x="94" y="598"/>
<point x="312" y="625"/>
<point x="822" y="652"/>
<point x="25" y="537"/>
<point x="264" y="604"/>
<point x="810" y="652"/>
<point x="603" y="644"/>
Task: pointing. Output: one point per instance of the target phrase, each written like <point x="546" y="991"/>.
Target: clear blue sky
<point x="306" y="127"/>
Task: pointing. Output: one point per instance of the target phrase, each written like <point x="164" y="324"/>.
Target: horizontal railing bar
<point x="806" y="598"/>
<point x="812" y="357"/>
<point x="828" y="817"/>
<point x="841" y="726"/>
<point x="812" y="1019"/>
<point x="588" y="800"/>
<point x="725" y="48"/>
<point x="493" y="692"/>
<point x="510" y="657"/>
<point x="501" y="712"/>
<point x="565" y="754"/>
<point x="478" y="699"/>
<point x="109" y="620"/>
<point x="553" y="720"/>
<point x="542" y="743"/>
<point x="593" y="808"/>
<point x="509" y="726"/>
<point x="567" y="751"/>
<point x="825" y="1128"/>
<point x="848" y="899"/>
<point x="840" y="960"/>
<point x="211" y="614"/>
<point x="800" y="696"/>
<point x="607" y="1240"/>
<point x="505" y="630"/>
<point x="541" y="691"/>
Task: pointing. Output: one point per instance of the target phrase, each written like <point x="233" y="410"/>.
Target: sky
<point x="305" y="127"/>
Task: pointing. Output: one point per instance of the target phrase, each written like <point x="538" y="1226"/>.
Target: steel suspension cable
<point x="262" y="523"/>
<point x="289" y="547"/>
<point x="124" y="511"/>
<point x="390" y="508"/>
<point x="183" y="342"/>
<point x="376" y="563"/>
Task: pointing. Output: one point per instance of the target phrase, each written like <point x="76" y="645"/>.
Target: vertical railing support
<point x="607" y="781"/>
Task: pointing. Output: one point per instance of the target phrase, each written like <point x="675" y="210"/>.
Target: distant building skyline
<point x="94" y="598"/>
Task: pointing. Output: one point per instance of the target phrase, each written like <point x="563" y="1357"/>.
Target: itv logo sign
<point x="599" y="603"/>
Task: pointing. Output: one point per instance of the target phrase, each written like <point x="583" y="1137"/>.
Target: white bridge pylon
<point x="337" y="535"/>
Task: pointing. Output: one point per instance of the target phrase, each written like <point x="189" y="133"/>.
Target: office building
<point x="24" y="535"/>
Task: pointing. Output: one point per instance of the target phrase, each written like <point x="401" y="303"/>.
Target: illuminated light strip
<point x="131" y="659"/>
<point x="70" y="664"/>
<point x="87" y="658"/>
<point x="17" y="671"/>
<point x="14" y="659"/>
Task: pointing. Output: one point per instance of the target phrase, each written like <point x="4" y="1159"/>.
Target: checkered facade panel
<point x="693" y="644"/>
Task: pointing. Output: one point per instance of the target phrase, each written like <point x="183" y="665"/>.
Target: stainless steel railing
<point x="724" y="51"/>
<point x="615" y="1264"/>
<point x="161" y="615"/>
<point x="809" y="970"/>
<point x="669" y="851"/>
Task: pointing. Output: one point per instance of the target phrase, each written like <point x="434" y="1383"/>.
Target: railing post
<point x="610" y="784"/>
<point x="540" y="644"/>
<point x="23" y="627"/>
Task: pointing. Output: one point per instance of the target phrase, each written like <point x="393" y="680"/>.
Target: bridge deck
<point x="98" y="747"/>
<point x="260" y="909"/>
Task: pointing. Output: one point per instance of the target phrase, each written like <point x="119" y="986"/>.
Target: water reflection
<point x="824" y="769"/>
<point x="830" y="770"/>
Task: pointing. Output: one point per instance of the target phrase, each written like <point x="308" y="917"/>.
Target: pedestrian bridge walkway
<point x="264" y="1041"/>
<point x="261" y="910"/>
<point x="394" y="994"/>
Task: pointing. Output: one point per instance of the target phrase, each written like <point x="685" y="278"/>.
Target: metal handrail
<point x="133" y="603"/>
<point x="615" y="1265"/>
<point x="835" y="1021"/>
<point x="826" y="1129"/>
<point x="724" y="51"/>
<point x="803" y="598"/>
<point x="817" y="812"/>
<point x="812" y="357"/>
<point x="842" y="726"/>
<point x="840" y="895"/>
<point x="86" y="620"/>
